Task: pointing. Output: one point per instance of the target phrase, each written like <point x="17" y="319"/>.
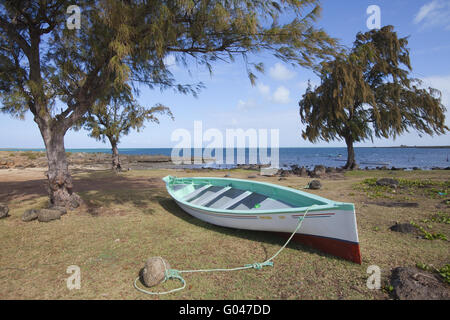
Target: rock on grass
<point x="46" y="215"/>
<point x="413" y="284"/>
<point x="63" y="210"/>
<point x="154" y="270"/>
<point x="30" y="215"/>
<point x="314" y="185"/>
<point x="3" y="210"/>
<point x="403" y="228"/>
<point x="388" y="182"/>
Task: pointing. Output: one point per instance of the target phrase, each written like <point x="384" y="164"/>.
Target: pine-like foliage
<point x="368" y="92"/>
<point x="115" y="116"/>
<point x="59" y="74"/>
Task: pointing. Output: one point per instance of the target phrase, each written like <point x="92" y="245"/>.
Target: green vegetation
<point x="31" y="155"/>
<point x="124" y="44"/>
<point x="428" y="235"/>
<point x="429" y="188"/>
<point x="441" y="217"/>
<point x="444" y="272"/>
<point x="115" y="115"/>
<point x="368" y="92"/>
<point x="424" y="266"/>
<point x="373" y="191"/>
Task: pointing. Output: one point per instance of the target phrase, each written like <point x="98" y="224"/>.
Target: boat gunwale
<point x="329" y="204"/>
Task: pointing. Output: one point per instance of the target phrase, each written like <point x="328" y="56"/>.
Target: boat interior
<point x="240" y="197"/>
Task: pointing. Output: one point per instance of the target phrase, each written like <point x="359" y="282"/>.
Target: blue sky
<point x="230" y="101"/>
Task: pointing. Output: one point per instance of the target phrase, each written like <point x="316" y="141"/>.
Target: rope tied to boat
<point x="176" y="274"/>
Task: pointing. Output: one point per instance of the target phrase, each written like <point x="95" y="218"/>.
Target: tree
<point x="115" y="115"/>
<point x="58" y="73"/>
<point x="367" y="92"/>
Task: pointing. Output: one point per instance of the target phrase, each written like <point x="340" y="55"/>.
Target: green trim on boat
<point x="300" y="200"/>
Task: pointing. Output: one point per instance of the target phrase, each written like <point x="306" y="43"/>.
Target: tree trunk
<point x="115" y="156"/>
<point x="351" y="163"/>
<point x="59" y="178"/>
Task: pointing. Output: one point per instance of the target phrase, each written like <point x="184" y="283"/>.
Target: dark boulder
<point x="330" y="170"/>
<point x="414" y="284"/>
<point x="314" y="185"/>
<point x="403" y="228"/>
<point x="283" y="173"/>
<point x="388" y="182"/>
<point x="302" y="172"/>
<point x="4" y="210"/>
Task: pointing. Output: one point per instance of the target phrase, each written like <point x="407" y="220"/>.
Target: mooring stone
<point x="46" y="215"/>
<point x="3" y="210"/>
<point x="154" y="271"/>
<point x="30" y="215"/>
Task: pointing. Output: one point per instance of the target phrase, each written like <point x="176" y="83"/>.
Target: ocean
<point x="424" y="158"/>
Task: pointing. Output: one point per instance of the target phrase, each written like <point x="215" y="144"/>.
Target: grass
<point x="407" y="188"/>
<point x="133" y="218"/>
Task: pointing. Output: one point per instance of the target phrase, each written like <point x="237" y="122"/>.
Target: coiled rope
<point x="176" y="274"/>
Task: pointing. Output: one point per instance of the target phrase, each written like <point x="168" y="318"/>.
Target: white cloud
<point x="280" y="72"/>
<point x="281" y="95"/>
<point x="434" y="14"/>
<point x="442" y="83"/>
<point x="246" y="105"/>
<point x="170" y="61"/>
<point x="263" y="89"/>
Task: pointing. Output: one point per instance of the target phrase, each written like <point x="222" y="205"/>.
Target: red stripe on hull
<point x="343" y="249"/>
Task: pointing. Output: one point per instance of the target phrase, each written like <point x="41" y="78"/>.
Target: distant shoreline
<point x="414" y="147"/>
<point x="125" y="148"/>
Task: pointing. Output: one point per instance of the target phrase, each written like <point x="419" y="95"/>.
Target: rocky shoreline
<point x="83" y="160"/>
<point x="102" y="161"/>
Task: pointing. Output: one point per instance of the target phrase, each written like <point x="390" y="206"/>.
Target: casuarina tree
<point x="59" y="73"/>
<point x="115" y="115"/>
<point x="369" y="92"/>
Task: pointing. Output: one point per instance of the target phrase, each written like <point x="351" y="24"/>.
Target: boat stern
<point x="345" y="242"/>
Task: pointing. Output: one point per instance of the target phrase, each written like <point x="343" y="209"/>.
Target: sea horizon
<point x="408" y="157"/>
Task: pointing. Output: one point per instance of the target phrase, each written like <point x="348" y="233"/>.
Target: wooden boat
<point x="328" y="226"/>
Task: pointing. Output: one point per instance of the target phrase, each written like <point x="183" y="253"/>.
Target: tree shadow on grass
<point x="23" y="190"/>
<point x="259" y="236"/>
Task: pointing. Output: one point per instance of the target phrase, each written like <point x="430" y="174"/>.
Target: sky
<point x="229" y="101"/>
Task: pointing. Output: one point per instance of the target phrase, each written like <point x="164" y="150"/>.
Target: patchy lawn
<point x="129" y="217"/>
